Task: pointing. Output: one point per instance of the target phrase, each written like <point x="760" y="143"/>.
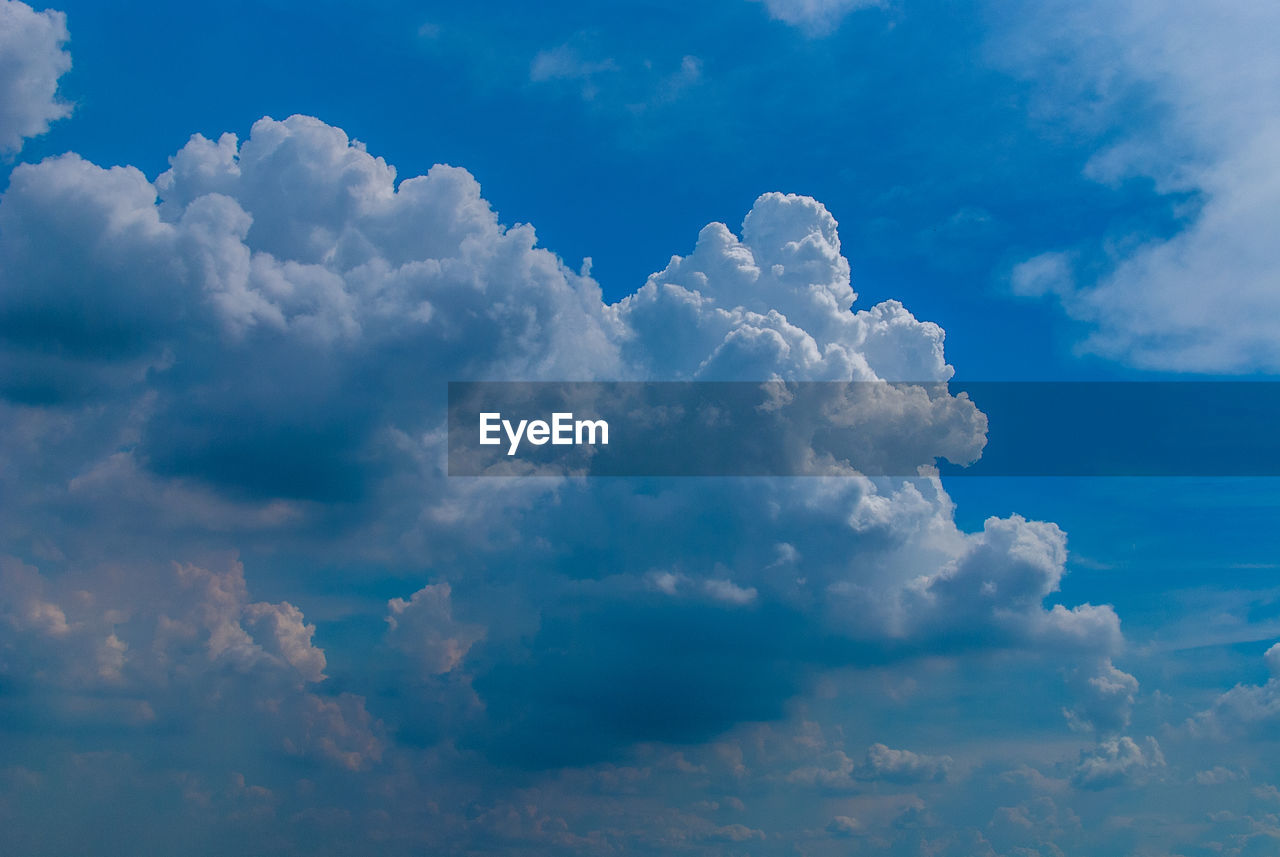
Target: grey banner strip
<point x="871" y="428"/>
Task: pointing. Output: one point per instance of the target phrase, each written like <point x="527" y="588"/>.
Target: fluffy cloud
<point x="838" y="771"/>
<point x="1116" y="761"/>
<point x="1104" y="698"/>
<point x="424" y="628"/>
<point x="903" y="765"/>
<point x="171" y="647"/>
<point x="1246" y="710"/>
<point x="1184" y="95"/>
<point x="249" y="352"/>
<point x="32" y="58"/>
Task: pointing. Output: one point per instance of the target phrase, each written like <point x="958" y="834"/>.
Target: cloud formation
<point x="249" y="353"/>
<point x="1246" y="710"/>
<point x="1184" y="96"/>
<point x="32" y="58"/>
<point x="424" y="627"/>
<point x="1115" y="761"/>
<point x="903" y="765"/>
<point x="159" y="648"/>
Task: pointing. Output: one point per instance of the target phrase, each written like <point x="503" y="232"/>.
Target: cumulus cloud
<point x="1104" y="698"/>
<point x="836" y="770"/>
<point x="250" y="352"/>
<point x="729" y="592"/>
<point x="424" y="628"/>
<point x="264" y="322"/>
<point x="175" y="645"/>
<point x="843" y="825"/>
<point x="32" y="58"/>
<point x="904" y="766"/>
<point x="1204" y="298"/>
<point x="284" y="635"/>
<point x="1116" y="761"/>
<point x="1246" y="710"/>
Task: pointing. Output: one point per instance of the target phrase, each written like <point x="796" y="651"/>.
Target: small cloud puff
<point x="1117" y="761"/>
<point x="815" y="17"/>
<point x="424" y="628"/>
<point x="903" y="766"/>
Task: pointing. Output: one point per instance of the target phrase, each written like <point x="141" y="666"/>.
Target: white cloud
<point x="1207" y="82"/>
<point x="32" y="58"/>
<point x="1046" y="274"/>
<point x="246" y="353"/>
<point x="266" y="315"/>
<point x="1246" y="710"/>
<point x="903" y="766"/>
<point x="1104" y="698"/>
<point x="1117" y="761"/>
<point x="815" y="17"/>
<point x="729" y="592"/>
<point x="1217" y="775"/>
<point x="843" y="825"/>
<point x="564" y="63"/>
<point x="837" y="771"/>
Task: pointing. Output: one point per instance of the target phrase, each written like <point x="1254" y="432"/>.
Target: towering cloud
<point x="250" y="352"/>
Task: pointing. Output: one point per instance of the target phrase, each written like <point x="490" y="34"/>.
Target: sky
<point x="244" y="609"/>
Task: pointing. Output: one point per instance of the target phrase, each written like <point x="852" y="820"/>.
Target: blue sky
<point x="243" y="609"/>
